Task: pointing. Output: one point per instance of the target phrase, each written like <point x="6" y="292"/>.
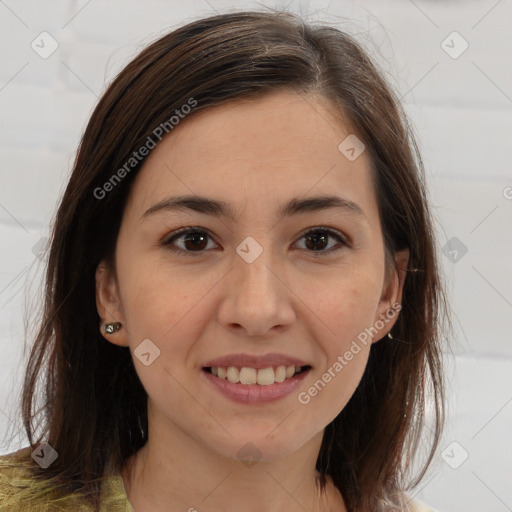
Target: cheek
<point x="162" y="305"/>
<point x="334" y="385"/>
<point x="347" y="307"/>
<point x="345" y="346"/>
<point x="346" y="301"/>
<point x="155" y="297"/>
<point x="167" y="305"/>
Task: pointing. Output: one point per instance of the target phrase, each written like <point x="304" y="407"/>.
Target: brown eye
<point x="190" y="240"/>
<point x="317" y="240"/>
<point x="195" y="241"/>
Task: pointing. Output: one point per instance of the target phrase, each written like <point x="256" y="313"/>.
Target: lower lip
<point x="254" y="393"/>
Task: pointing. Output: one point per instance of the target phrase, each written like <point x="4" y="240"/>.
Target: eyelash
<point x="167" y="242"/>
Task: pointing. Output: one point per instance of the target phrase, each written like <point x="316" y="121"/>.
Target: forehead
<point x="264" y="129"/>
<point x="257" y="151"/>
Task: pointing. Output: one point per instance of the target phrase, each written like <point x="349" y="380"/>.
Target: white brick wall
<point x="461" y="109"/>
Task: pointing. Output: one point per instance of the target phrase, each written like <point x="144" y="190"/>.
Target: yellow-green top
<point x="19" y="492"/>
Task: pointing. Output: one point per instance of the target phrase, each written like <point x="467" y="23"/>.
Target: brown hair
<point x="94" y="406"/>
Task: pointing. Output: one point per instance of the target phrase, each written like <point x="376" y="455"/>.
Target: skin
<point x="255" y="155"/>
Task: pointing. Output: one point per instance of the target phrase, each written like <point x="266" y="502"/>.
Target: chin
<point x="258" y="446"/>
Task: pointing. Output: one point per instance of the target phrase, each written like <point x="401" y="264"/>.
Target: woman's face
<point x="253" y="287"/>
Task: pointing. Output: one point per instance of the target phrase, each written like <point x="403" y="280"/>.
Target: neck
<point x="174" y="472"/>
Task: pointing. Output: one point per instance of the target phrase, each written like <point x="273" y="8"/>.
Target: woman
<point x="243" y="308"/>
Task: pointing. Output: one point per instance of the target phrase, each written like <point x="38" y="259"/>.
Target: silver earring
<point x="390" y="336"/>
<point x="112" y="327"/>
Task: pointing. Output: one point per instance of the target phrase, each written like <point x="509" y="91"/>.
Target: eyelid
<point x="332" y="232"/>
<point x="166" y="241"/>
<point x="182" y="230"/>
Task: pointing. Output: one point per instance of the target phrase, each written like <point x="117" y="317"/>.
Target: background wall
<point x="451" y="63"/>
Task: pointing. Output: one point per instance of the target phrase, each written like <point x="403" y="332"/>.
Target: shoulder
<point x="15" y="476"/>
<point x="16" y="481"/>
<point x="21" y="491"/>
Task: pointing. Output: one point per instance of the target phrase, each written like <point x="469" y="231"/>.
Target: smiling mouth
<point x="252" y="376"/>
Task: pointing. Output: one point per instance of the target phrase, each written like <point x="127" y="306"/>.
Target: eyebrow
<point x="219" y="208"/>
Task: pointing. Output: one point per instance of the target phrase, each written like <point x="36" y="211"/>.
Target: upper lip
<point x="253" y="361"/>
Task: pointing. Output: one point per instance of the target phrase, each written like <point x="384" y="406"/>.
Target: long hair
<point x="94" y="408"/>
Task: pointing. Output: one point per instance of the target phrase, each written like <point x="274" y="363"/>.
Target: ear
<point x="391" y="298"/>
<point x="109" y="305"/>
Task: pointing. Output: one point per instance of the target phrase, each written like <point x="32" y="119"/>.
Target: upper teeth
<point x="263" y="376"/>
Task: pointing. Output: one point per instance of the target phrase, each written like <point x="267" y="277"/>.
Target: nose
<point x="257" y="299"/>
